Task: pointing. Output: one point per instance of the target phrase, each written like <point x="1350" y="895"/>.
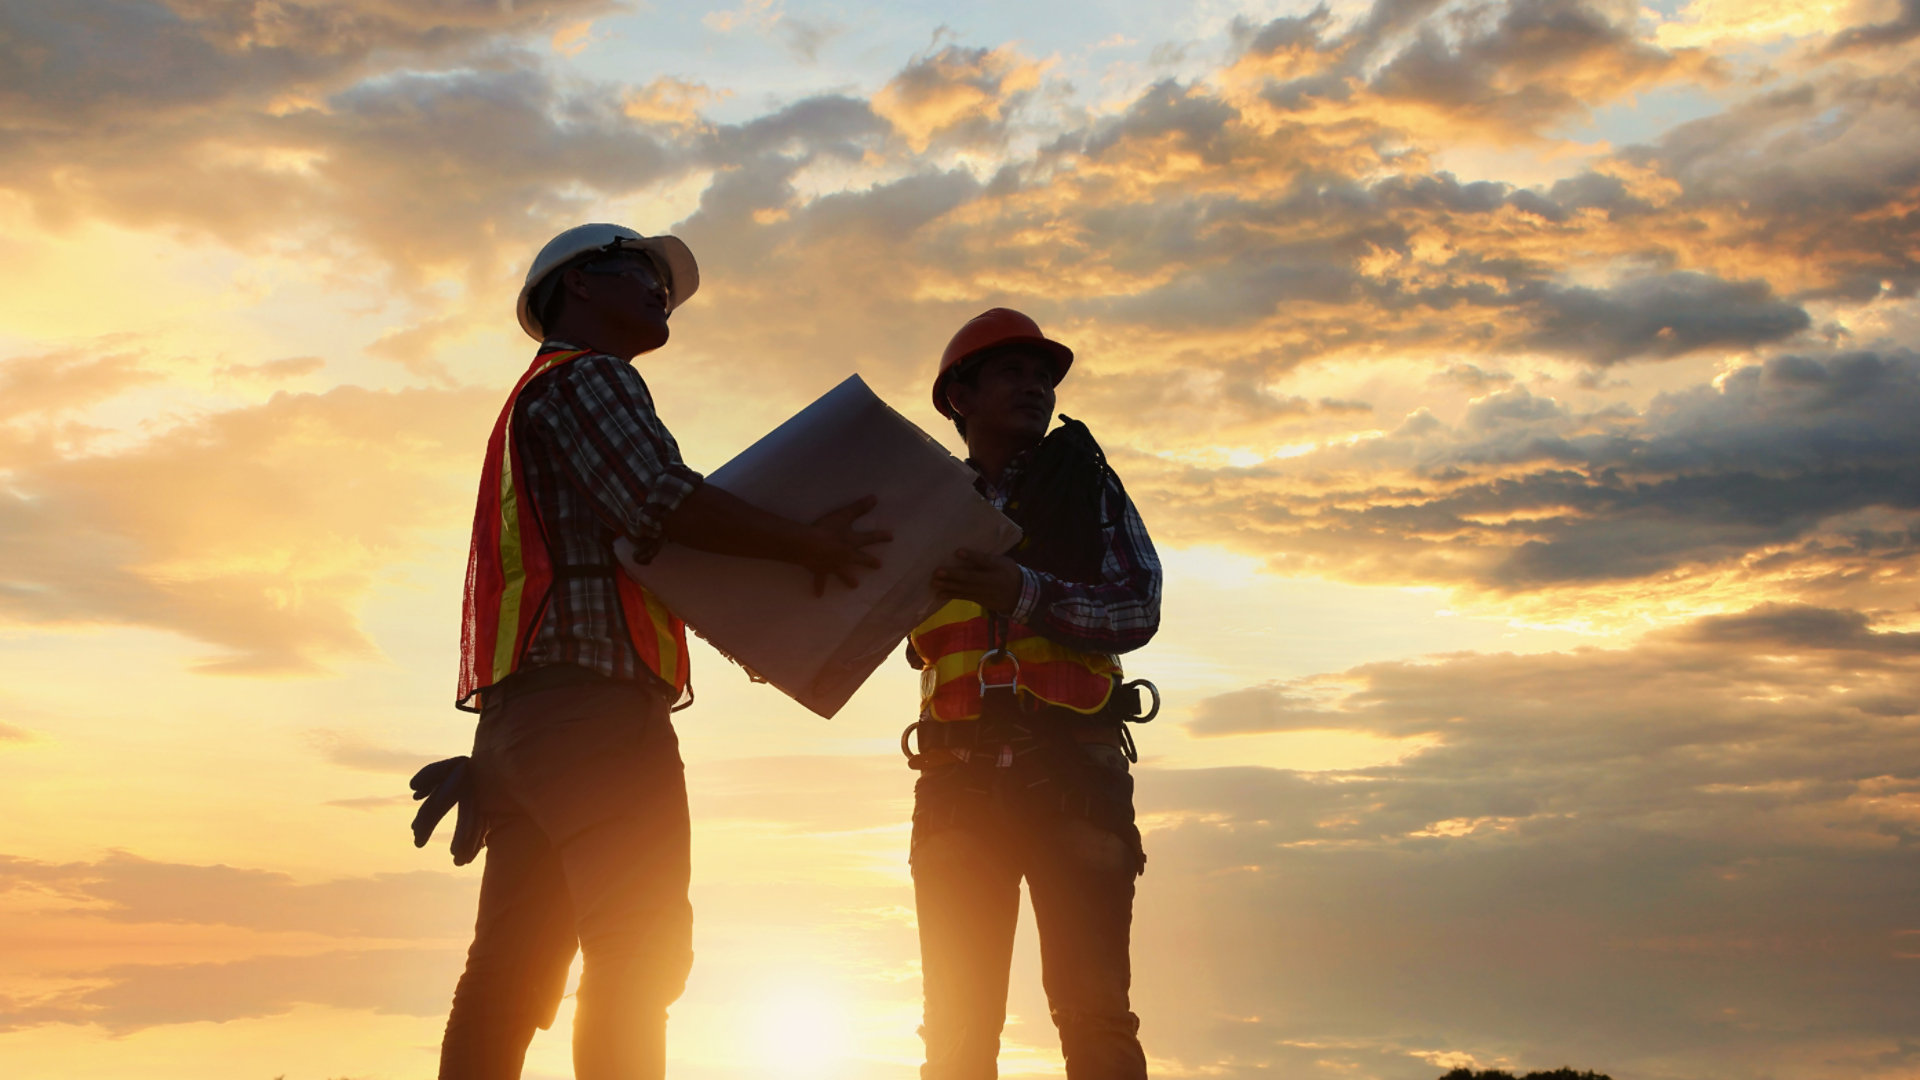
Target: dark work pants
<point x="966" y="883"/>
<point x="587" y="846"/>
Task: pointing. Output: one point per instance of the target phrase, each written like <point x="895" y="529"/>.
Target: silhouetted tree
<point x="1562" y="1073"/>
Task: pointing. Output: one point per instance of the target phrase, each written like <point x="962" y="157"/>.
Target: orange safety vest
<point x="957" y="637"/>
<point x="510" y="573"/>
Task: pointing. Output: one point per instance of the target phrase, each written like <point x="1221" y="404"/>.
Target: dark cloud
<point x="1607" y="845"/>
<point x="1512" y="69"/>
<point x="1660" y="316"/>
<point x="1769" y="471"/>
<point x="462" y="169"/>
<point x="117" y="61"/>
<point x="1203" y="244"/>
<point x="1811" y="180"/>
<point x="1803" y="627"/>
<point x="1904" y="27"/>
<point x="1532" y="63"/>
<point x="1286" y="237"/>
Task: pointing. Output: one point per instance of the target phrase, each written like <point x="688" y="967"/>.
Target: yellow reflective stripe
<point x="668" y="644"/>
<point x="513" y="570"/>
<point x="954" y="611"/>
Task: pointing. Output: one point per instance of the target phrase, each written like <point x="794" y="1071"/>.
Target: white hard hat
<point x="669" y="252"/>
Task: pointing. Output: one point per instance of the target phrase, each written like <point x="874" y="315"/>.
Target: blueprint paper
<point x="819" y="650"/>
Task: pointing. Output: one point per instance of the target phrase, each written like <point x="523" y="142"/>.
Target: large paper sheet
<point x="764" y="614"/>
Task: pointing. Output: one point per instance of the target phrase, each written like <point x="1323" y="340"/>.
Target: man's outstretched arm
<point x="599" y="413"/>
<point x="715" y="520"/>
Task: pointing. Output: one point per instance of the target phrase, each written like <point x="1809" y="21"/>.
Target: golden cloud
<point x="254" y="529"/>
<point x="958" y="94"/>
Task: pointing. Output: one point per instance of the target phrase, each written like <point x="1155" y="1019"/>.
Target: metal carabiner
<point x="987" y="658"/>
<point x="1151" y="689"/>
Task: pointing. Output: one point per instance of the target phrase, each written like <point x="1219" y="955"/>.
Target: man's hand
<point x="992" y="581"/>
<point x="834" y="547"/>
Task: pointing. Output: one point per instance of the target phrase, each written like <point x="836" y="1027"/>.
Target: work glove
<point x="445" y="785"/>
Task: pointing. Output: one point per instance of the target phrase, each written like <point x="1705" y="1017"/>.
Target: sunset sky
<point x="1524" y="396"/>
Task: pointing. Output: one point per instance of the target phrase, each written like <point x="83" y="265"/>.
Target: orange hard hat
<point x="989" y="329"/>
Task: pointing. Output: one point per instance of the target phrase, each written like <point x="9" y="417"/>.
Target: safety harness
<point x="1015" y="738"/>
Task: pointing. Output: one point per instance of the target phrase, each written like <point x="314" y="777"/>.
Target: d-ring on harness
<point x="987" y="658"/>
<point x="1151" y="689"/>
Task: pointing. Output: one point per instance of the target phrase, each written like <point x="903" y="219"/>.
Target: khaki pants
<point x="588" y="847"/>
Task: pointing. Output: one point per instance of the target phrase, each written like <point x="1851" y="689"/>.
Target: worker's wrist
<point x="1029" y="596"/>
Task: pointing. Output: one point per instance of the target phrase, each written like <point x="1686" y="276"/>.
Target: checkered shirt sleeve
<point x="598" y="416"/>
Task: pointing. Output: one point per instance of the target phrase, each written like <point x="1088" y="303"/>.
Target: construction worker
<point x="575" y="774"/>
<point x="1021" y="738"/>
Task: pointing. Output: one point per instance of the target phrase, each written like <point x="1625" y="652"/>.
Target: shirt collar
<point x="1012" y="472"/>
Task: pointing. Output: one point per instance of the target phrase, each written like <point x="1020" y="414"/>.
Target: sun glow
<point x="800" y="1031"/>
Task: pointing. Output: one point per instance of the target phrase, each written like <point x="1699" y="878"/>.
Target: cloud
<point x="457" y="171"/>
<point x="1735" y="25"/>
<point x="68" y="65"/>
<point x="350" y="752"/>
<point x="1796" y="471"/>
<point x="669" y="102"/>
<point x="760" y="15"/>
<point x="1505" y="71"/>
<point x="290" y="367"/>
<point x="1530" y="63"/>
<point x="1605" y="844"/>
<point x="1281" y="214"/>
<point x="1904" y="27"/>
<point x="1235" y="255"/>
<point x="254" y="529"/>
<point x="1804" y="628"/>
<point x="386" y="942"/>
<point x="1804" y="178"/>
<point x="411" y="982"/>
<point x="1664" y="315"/>
<point x="49" y="385"/>
<point x="958" y="96"/>
<point x="124" y="888"/>
<point x="805" y="38"/>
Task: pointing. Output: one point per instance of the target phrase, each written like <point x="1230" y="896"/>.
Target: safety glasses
<point x="628" y="264"/>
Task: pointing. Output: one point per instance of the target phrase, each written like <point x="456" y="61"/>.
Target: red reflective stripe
<point x="657" y="633"/>
<point x="958" y="637"/>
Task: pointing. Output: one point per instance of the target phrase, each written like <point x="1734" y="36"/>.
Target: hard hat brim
<point x="670" y="252"/>
<point x="1063" y="359"/>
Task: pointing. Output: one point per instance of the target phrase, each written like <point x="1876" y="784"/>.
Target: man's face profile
<point x="1009" y="390"/>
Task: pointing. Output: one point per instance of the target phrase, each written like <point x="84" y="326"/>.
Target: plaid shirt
<point x="1116" y="614"/>
<point x="599" y="465"/>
